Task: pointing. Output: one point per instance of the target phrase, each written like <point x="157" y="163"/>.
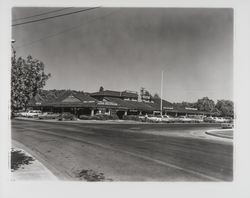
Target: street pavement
<point x="128" y="152"/>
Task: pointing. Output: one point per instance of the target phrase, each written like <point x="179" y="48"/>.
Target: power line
<point x="44" y="13"/>
<point x="65" y="31"/>
<point x="60" y="15"/>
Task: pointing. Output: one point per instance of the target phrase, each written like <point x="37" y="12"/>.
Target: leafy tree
<point x="225" y="107"/>
<point x="145" y="92"/>
<point x="101" y="88"/>
<point x="156" y="96"/>
<point x="27" y="79"/>
<point x="185" y="104"/>
<point x="206" y="104"/>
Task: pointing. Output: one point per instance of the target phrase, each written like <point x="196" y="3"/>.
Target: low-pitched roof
<point x="79" y="99"/>
<point x="79" y="95"/>
<point x="157" y="103"/>
<point x="132" y="105"/>
<point x="108" y="93"/>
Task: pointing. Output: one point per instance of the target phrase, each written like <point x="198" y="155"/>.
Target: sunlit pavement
<point x="128" y="152"/>
<point x="33" y="171"/>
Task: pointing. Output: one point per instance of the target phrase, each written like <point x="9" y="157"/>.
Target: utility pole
<point x="161" y="89"/>
<point x="13" y="51"/>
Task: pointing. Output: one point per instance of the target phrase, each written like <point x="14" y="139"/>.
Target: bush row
<point x="131" y="117"/>
<point x="99" y="117"/>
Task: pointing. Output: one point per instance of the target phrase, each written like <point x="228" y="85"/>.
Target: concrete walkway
<point x="35" y="171"/>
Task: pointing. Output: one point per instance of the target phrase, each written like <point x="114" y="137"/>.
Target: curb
<point x="112" y="122"/>
<point x="213" y="133"/>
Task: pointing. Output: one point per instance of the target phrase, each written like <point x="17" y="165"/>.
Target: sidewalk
<point x="34" y="171"/>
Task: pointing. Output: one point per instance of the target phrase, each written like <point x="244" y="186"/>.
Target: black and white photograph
<point x="124" y="99"/>
<point x="122" y="94"/>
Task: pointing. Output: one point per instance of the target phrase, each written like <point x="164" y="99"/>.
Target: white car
<point x="152" y="118"/>
<point x="142" y="118"/>
<point x="31" y="113"/>
<point x="227" y="125"/>
<point x="185" y="119"/>
<point x="166" y="118"/>
<point x="48" y="115"/>
<point x="196" y="118"/>
<point x="220" y="120"/>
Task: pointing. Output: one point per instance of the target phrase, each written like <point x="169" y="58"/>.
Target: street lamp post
<point x="161" y="89"/>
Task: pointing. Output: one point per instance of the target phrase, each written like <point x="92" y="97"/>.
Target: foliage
<point x="101" y="88"/>
<point x="156" y="96"/>
<point x="206" y="104"/>
<point x="131" y="117"/>
<point x="225" y="107"/>
<point x="85" y="117"/>
<point x="99" y="117"/>
<point x="27" y="79"/>
<point x="222" y="107"/>
<point x="185" y="104"/>
<point x="91" y="175"/>
<point x="145" y="94"/>
<point x="66" y="116"/>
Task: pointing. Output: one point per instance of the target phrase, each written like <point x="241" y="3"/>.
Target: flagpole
<point x="161" y="90"/>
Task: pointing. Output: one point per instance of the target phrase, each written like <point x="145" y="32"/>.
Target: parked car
<point x="48" y="115"/>
<point x="229" y="119"/>
<point x="18" y="113"/>
<point x="185" y="119"/>
<point x="196" y="118"/>
<point x="142" y="118"/>
<point x="31" y="113"/>
<point x="167" y="118"/>
<point x="220" y="120"/>
<point x="152" y="118"/>
<point x="209" y="119"/>
<point x="66" y="116"/>
<point x="227" y="125"/>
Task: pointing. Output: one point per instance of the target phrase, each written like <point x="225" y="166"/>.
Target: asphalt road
<point x="128" y="152"/>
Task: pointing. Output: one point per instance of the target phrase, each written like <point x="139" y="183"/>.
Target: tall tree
<point x="205" y="104"/>
<point x="225" y="107"/>
<point x="156" y="96"/>
<point x="101" y="88"/>
<point x="27" y="79"/>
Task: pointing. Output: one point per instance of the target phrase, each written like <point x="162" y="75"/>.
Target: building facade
<point x="107" y="102"/>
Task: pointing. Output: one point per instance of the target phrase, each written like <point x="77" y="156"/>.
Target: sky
<point x="128" y="48"/>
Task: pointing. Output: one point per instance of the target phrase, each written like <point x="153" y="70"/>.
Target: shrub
<point x="131" y="117"/>
<point x="85" y="117"/>
<point x="49" y="116"/>
<point x="66" y="116"/>
<point x="99" y="117"/>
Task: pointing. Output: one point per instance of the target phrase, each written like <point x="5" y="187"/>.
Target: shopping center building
<point x="107" y="102"/>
